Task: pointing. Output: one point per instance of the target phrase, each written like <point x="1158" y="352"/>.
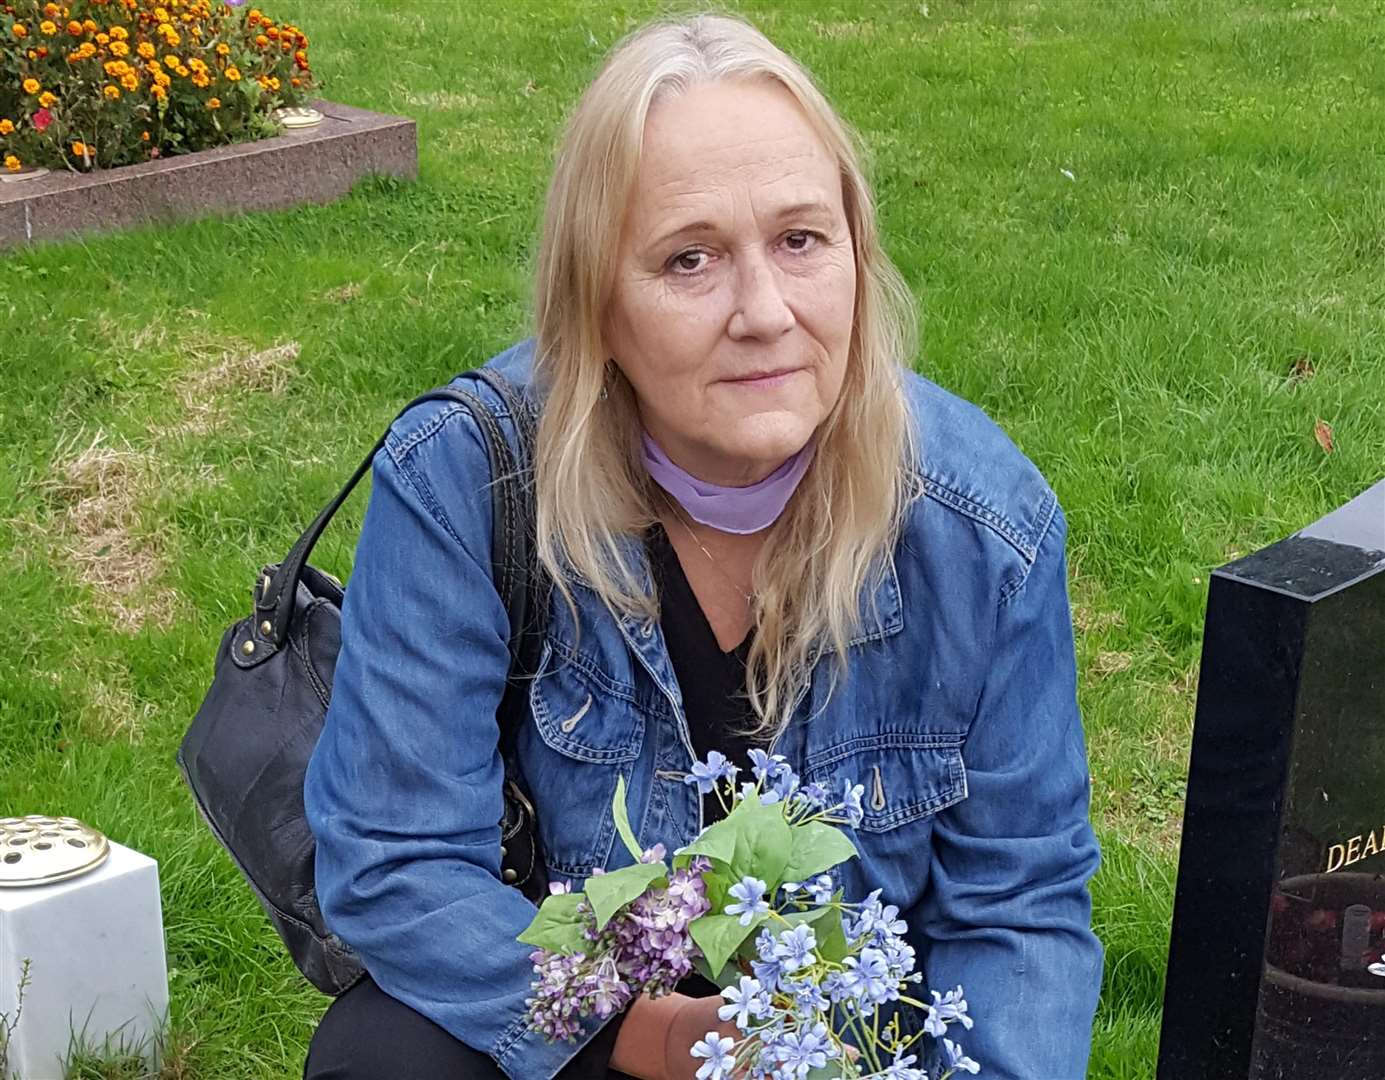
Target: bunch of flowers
<point x="749" y="904"/>
<point x="97" y="83"/>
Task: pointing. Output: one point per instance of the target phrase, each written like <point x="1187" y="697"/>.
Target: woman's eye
<point x="802" y="240"/>
<point x="688" y="262"/>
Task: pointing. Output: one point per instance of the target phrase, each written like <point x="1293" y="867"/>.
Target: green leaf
<point x="557" y="926"/>
<point x="622" y="816"/>
<point x="718" y="841"/>
<point x="763" y="842"/>
<point x="609" y="893"/>
<point x="816" y="847"/>
<point x="830" y="1071"/>
<point x="718" y="936"/>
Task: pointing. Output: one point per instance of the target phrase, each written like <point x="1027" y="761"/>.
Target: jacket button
<point x="503" y="852"/>
<point x="509" y="876"/>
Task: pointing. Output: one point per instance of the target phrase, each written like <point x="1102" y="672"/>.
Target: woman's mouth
<point x="769" y="378"/>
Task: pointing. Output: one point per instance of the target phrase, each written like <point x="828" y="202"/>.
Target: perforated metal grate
<point x="37" y="850"/>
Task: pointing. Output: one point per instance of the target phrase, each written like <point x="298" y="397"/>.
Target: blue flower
<point x="952" y="1006"/>
<point x="821" y="888"/>
<point x="901" y="1068"/>
<point x="794" y="947"/>
<point x="800" y="1051"/>
<point x="716" y="1048"/>
<point x="743" y="1002"/>
<point x="750" y="900"/>
<point x="706" y="774"/>
<point x="958" y="1060"/>
<point x="868" y="977"/>
<point x="851" y="803"/>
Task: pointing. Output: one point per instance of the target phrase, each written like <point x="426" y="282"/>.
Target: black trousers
<point x="367" y="1035"/>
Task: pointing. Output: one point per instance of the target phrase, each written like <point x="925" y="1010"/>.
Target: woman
<point x="763" y="531"/>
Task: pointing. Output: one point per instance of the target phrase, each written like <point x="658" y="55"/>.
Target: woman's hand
<point x="689" y="1025"/>
<point x="656" y="1037"/>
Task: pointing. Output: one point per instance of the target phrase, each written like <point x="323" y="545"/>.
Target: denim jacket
<point x="957" y="712"/>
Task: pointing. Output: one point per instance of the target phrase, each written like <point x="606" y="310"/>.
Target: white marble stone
<point x="96" y="949"/>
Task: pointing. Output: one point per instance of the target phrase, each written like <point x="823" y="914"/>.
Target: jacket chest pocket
<point x="584" y="737"/>
<point x="906" y="775"/>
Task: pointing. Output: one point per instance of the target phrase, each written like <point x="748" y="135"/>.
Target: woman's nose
<point x="761" y="310"/>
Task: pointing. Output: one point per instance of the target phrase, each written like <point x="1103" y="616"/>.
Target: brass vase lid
<point x="38" y="850"/>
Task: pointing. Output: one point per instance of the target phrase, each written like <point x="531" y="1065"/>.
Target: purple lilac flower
<point x="706" y="774"/>
<point x="743" y="1002"/>
<point x="750" y="900"/>
<point x="866" y="977"/>
<point x="716" y="1048"/>
<point x="794" y="947"/>
<point x="958" y="1060"/>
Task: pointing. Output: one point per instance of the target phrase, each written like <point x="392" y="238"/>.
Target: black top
<point x="713" y="685"/>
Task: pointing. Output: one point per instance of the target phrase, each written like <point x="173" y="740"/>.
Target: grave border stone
<point x="306" y="165"/>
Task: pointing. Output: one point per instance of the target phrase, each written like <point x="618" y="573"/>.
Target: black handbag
<point x="246" y="752"/>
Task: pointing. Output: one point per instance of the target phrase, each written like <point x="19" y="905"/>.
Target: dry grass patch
<point x="205" y="393"/>
<point x="95" y="491"/>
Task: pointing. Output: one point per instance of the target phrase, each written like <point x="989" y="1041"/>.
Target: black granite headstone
<point x="1280" y="902"/>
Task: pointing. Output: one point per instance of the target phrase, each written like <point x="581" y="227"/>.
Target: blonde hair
<point x="834" y="539"/>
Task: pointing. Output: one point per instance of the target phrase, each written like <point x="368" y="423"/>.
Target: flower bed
<point x="312" y="165"/>
<point x="100" y="83"/>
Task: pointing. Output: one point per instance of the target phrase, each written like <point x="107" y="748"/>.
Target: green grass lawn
<point x="1148" y="238"/>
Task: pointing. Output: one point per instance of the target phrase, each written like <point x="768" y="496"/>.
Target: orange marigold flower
<point x="130" y="81"/>
<point x="19" y="30"/>
<point x="119" y="33"/>
<point x="272" y="31"/>
<point x="158" y="91"/>
<point x="172" y="61"/>
<point x="145" y="49"/>
<point x="172" y="39"/>
<point x="144" y="136"/>
<point x="261" y="40"/>
<point x="200" y="80"/>
<point x="296" y="81"/>
<point x="31" y="54"/>
<point x="74" y="28"/>
<point x="79" y="149"/>
<point x="31" y="86"/>
<point x="47" y="99"/>
<point x="6" y="126"/>
<point x="48" y="27"/>
<point x="42" y="51"/>
<point x="222" y="49"/>
<point x="111" y="91"/>
<point x="13" y="163"/>
<point x="119" y="48"/>
<point x="233" y="73"/>
<point x="52" y="10"/>
<point x="182" y="72"/>
<point x="111" y="67"/>
<point x="103" y="39"/>
<point x="89" y="25"/>
<point x="161" y="14"/>
<point x="214" y="103"/>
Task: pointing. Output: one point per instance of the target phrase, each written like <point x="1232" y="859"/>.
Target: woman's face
<point x="735" y="281"/>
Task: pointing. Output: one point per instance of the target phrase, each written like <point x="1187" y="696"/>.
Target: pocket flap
<point x="906" y="775"/>
<point x="578" y="717"/>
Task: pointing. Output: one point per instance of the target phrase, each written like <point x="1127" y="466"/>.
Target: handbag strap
<point x="511" y="533"/>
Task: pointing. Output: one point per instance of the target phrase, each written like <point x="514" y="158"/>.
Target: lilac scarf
<point x="730" y="509"/>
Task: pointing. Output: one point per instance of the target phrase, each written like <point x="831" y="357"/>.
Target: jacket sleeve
<point x="1007" y="914"/>
<point x="403" y="791"/>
